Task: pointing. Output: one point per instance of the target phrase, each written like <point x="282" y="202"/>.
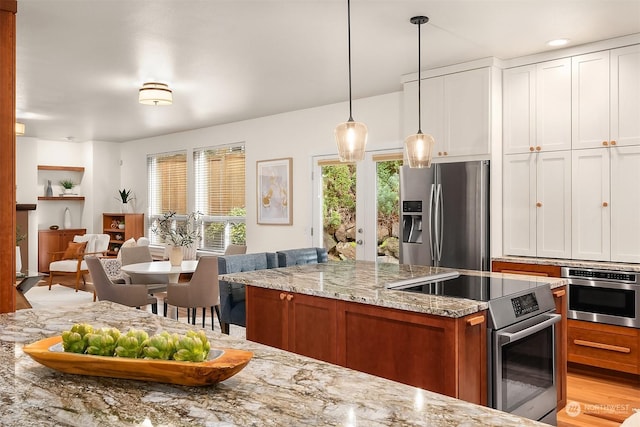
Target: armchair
<point x="72" y="261"/>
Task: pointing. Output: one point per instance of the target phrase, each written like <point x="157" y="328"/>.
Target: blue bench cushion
<point x="301" y="256"/>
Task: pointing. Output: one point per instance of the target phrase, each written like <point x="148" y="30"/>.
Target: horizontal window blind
<point x="167" y="180"/>
<point x="220" y="194"/>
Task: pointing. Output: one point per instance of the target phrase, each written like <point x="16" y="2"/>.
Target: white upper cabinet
<point x="537" y="107"/>
<point x="519" y="109"/>
<point x="590" y="108"/>
<point x="606" y="98"/>
<point x="553" y="105"/>
<point x="625" y="95"/>
<point x="456" y="110"/>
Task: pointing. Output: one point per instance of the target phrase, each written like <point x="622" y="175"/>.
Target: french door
<point x="355" y="211"/>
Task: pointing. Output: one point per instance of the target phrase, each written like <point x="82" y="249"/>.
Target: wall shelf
<point x="61" y="198"/>
<point x="61" y="168"/>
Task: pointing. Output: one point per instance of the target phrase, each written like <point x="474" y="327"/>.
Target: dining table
<point x="156" y="268"/>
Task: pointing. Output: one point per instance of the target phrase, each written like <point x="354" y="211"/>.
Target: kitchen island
<point x="276" y="387"/>
<point x="343" y="313"/>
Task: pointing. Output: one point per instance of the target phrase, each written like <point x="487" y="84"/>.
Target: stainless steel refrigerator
<point x="444" y="214"/>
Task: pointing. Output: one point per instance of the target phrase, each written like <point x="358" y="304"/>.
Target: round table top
<point x="160" y="267"/>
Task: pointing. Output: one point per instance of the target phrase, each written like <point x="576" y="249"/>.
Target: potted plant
<point x="125" y="198"/>
<point x="67" y="185"/>
<point x="181" y="234"/>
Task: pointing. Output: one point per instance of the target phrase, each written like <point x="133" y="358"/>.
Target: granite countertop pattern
<point x="365" y="281"/>
<point x="617" y="266"/>
<point x="276" y="388"/>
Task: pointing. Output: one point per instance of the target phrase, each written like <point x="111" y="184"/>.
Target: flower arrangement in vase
<point x="125" y="198"/>
<point x="181" y="232"/>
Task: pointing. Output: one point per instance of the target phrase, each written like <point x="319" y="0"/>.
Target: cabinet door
<point x="466" y="108"/>
<point x="590" y="103"/>
<point x="625" y="95"/>
<point x="432" y="114"/>
<point x="591" y="235"/>
<point x="553" y="205"/>
<point x="625" y="204"/>
<point x="267" y="317"/>
<point x="519" y="109"/>
<point x="553" y="105"/>
<point x="519" y="198"/>
<point x="312" y="326"/>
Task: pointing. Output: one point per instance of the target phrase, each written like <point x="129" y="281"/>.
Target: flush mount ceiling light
<point x="557" y="42"/>
<point x="20" y="128"/>
<point x="153" y="93"/>
<point x="351" y="136"/>
<point x="418" y="146"/>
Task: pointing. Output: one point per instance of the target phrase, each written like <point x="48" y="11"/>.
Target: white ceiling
<point x="80" y="62"/>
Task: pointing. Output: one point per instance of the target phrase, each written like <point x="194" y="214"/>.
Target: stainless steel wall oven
<point x="603" y="296"/>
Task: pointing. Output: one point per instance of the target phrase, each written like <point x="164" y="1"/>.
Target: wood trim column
<point x="8" y="9"/>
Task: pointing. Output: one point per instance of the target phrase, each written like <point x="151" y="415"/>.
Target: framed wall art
<point x="274" y="191"/>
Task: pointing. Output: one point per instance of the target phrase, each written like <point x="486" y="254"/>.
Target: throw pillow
<point x="74" y="249"/>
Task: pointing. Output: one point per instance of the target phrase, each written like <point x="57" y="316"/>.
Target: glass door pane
<point x="388" y="210"/>
<point x="339" y="209"/>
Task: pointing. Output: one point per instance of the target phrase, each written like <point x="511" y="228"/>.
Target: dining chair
<point x="138" y="254"/>
<point x="235" y="250"/>
<point x="203" y="290"/>
<point x="71" y="262"/>
<point x="125" y="294"/>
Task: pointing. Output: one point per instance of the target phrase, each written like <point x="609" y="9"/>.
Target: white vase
<point x="124" y="208"/>
<point x="18" y="260"/>
<point x="175" y="255"/>
<point x="67" y="218"/>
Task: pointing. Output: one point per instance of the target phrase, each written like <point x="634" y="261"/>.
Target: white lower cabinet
<point x="606" y="204"/>
<point x="537" y="204"/>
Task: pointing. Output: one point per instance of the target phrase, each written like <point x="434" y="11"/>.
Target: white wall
<point x="299" y="134"/>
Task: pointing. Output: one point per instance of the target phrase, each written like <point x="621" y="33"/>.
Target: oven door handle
<point x="508" y="337"/>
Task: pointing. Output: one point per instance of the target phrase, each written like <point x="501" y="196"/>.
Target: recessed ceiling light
<point x="557" y="42"/>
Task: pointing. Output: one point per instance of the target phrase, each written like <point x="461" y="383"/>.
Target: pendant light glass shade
<point x="351" y="136"/>
<point x="20" y="128"/>
<point x="155" y="94"/>
<point x="419" y="146"/>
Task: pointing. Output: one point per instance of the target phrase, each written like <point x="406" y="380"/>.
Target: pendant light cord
<point x="349" y="43"/>
<point x="419" y="81"/>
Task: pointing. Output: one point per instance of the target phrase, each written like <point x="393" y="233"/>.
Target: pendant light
<point x="419" y="145"/>
<point x="351" y="136"/>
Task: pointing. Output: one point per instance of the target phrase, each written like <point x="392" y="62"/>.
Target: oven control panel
<point x="525" y="304"/>
<point x="600" y="275"/>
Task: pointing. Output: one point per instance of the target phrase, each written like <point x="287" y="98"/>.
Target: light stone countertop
<point x="365" y="281"/>
<point x="277" y="388"/>
<point x="617" y="266"/>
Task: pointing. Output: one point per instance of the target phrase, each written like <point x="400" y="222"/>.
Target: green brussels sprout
<point x="193" y="347"/>
<point x="160" y="346"/>
<point x="130" y="344"/>
<point x="73" y="340"/>
<point x="102" y="342"/>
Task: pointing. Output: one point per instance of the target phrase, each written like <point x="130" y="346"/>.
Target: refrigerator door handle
<point x="430" y="222"/>
<point x="437" y="224"/>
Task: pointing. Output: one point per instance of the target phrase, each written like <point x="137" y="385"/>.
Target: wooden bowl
<point x="223" y="364"/>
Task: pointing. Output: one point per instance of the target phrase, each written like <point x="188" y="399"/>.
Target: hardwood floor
<point x="599" y="398"/>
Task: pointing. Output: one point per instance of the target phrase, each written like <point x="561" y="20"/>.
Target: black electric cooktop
<point x="477" y="288"/>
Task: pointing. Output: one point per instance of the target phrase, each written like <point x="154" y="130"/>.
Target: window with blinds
<point x="220" y="195"/>
<point x="167" y="180"/>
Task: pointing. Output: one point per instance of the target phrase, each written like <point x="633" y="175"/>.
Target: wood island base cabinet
<point x="440" y="354"/>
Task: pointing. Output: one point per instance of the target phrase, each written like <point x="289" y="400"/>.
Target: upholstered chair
<point x="125" y="294"/>
<point x="201" y="291"/>
<point x="72" y="261"/>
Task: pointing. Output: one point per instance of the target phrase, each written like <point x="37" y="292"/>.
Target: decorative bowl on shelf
<point x="222" y="364"/>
